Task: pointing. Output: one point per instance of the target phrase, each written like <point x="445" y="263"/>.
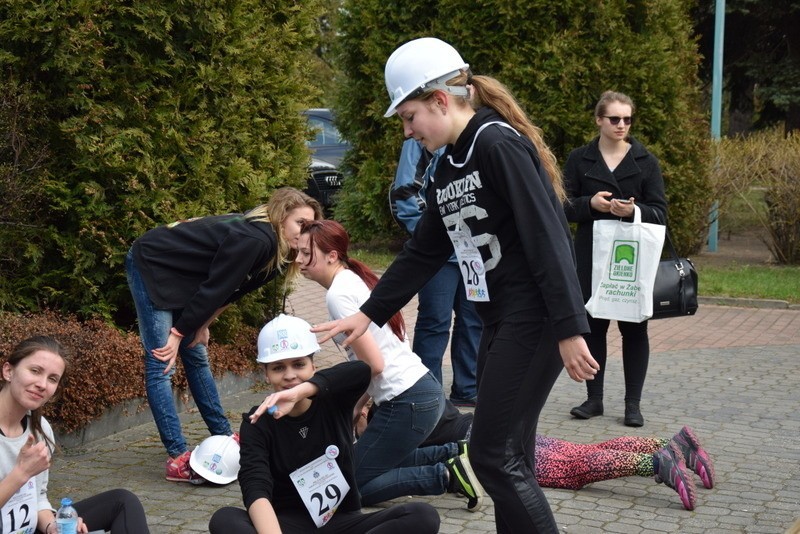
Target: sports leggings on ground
<point x="118" y="511"/>
<point x="635" y="356"/>
<point x="518" y="363"/>
<point x="415" y="517"/>
<point x="566" y="465"/>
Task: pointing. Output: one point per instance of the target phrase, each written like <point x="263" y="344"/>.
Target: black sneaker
<point x="672" y="472"/>
<point x="591" y="407"/>
<point x="464" y="482"/>
<point x="633" y="416"/>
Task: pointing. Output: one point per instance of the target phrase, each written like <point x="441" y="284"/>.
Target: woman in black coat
<point x="604" y="180"/>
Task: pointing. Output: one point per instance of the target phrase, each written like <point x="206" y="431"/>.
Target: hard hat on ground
<point x="421" y="65"/>
<point x="286" y="337"/>
<point x="216" y="459"/>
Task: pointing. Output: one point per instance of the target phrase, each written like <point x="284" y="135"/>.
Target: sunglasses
<point x="615" y="120"/>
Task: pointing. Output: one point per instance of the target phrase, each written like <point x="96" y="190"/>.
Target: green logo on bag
<point x="624" y="261"/>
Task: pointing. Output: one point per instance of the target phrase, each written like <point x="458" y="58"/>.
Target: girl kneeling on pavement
<point x="408" y="400"/>
<point x="297" y="472"/>
<point x="32" y="375"/>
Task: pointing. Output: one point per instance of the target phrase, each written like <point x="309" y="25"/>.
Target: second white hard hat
<point x="216" y="459"/>
<point x="421" y="65"/>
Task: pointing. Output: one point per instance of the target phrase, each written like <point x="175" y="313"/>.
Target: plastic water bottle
<point x="67" y="517"/>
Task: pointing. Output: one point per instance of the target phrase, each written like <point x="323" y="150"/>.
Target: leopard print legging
<point x="567" y="465"/>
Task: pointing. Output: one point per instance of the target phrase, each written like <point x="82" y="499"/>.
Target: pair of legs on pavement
<point x="635" y="358"/>
<point x="567" y="465"/>
<point x="390" y="460"/>
<point x="154" y="330"/>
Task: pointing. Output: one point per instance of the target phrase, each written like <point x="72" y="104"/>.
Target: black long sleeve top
<point x="500" y="192"/>
<point x="200" y="265"/>
<point x="271" y="449"/>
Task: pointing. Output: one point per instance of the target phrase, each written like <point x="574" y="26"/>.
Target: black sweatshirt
<point x="200" y="265"/>
<point x="505" y="198"/>
<point x="271" y="449"/>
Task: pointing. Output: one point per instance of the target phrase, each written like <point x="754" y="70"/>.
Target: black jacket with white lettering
<point x="497" y="190"/>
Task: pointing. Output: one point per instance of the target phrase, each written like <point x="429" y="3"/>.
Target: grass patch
<point x="751" y="281"/>
<point x="377" y="254"/>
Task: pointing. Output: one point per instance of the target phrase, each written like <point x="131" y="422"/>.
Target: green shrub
<point x="557" y="58"/>
<point x="762" y="173"/>
<point x="153" y="112"/>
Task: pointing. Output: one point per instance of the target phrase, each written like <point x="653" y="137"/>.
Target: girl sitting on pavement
<point x="32" y="375"/>
<point x="308" y="428"/>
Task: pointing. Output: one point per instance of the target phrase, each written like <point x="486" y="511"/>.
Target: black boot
<point x="591" y="407"/>
<point x="633" y="417"/>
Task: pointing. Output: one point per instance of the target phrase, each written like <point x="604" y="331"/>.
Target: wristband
<point x="174" y="331"/>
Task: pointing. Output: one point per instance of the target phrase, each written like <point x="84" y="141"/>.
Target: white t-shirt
<point x="19" y="514"/>
<point x="401" y="367"/>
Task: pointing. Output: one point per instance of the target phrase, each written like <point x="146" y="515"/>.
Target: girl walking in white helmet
<point x="306" y="426"/>
<point x="496" y="201"/>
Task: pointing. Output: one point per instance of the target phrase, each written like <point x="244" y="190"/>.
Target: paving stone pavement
<point x="731" y="373"/>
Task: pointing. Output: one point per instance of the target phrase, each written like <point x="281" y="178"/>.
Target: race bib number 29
<point x="321" y="486"/>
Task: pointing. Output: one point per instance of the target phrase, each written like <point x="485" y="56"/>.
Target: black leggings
<point x="118" y="511"/>
<point x="518" y="363"/>
<point x="416" y="517"/>
<point x="635" y="356"/>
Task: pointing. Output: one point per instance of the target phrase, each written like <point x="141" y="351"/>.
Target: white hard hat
<point x="286" y="337"/>
<point x="216" y="459"/>
<point x="420" y="65"/>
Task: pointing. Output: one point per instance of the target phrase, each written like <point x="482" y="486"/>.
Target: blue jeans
<point x="438" y="299"/>
<point x="154" y="327"/>
<point x="388" y="462"/>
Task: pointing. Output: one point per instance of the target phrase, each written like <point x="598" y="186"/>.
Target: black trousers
<point x="415" y="517"/>
<point x="635" y="356"/>
<point x="518" y="363"/>
<point x="117" y="511"/>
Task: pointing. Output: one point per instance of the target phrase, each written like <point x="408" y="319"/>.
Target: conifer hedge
<point x="129" y="115"/>
<point x="557" y="58"/>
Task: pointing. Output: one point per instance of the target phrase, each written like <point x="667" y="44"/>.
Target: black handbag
<point x="675" y="288"/>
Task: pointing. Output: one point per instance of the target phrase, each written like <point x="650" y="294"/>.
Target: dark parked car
<point x="327" y="151"/>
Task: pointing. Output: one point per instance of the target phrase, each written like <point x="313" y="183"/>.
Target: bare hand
<point x="33" y="457"/>
<point x="202" y="337"/>
<point x="600" y="201"/>
<point x="82" y="528"/>
<point x="169" y="352"/>
<point x="287" y="398"/>
<point x="354" y="325"/>
<point x="578" y="361"/>
<point x="622" y="209"/>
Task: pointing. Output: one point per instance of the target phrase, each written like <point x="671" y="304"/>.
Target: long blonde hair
<point x="282" y="202"/>
<point x="487" y="91"/>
